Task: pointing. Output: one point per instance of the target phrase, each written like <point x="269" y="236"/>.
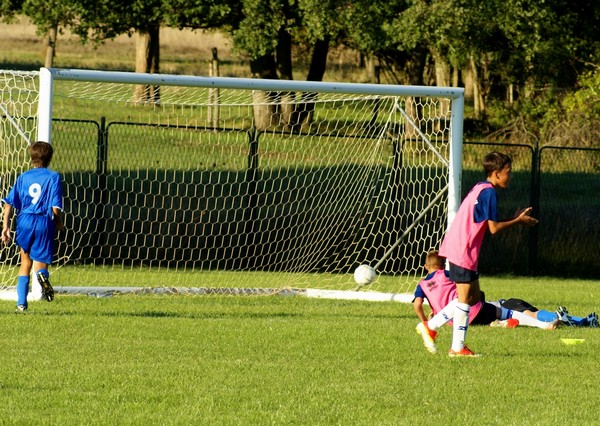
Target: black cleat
<point x="47" y="290"/>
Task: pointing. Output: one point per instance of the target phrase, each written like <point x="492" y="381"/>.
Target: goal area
<point x="188" y="184"/>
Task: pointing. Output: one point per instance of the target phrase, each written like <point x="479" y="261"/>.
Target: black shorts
<point x="462" y="275"/>
<point x="518" y="305"/>
<point x="487" y="315"/>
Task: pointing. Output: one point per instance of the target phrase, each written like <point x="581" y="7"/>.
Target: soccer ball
<point x="364" y="274"/>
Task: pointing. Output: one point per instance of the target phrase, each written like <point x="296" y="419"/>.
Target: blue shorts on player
<point x="35" y="235"/>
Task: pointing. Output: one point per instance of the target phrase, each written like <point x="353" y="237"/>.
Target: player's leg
<point x="492" y="314"/>
<point x="474" y="292"/>
<point x="563" y="315"/>
<point x="443" y="316"/>
<point x="467" y="286"/>
<point x="42" y="251"/>
<point x="428" y="329"/>
<point x="461" y="318"/>
<point x="23" y="281"/>
<point x="43" y="277"/>
<point x="592" y="320"/>
<point x="530" y="321"/>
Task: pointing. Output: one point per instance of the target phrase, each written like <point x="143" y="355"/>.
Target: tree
<point x="552" y="40"/>
<point x="9" y="9"/>
<point x="99" y="20"/>
<point x="50" y="18"/>
<point x="269" y="31"/>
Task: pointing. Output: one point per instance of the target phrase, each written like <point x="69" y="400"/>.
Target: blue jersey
<point x="36" y="192"/>
<point x="487" y="206"/>
<point x="34" y="195"/>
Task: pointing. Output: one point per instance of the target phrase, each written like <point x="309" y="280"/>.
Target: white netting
<point x="189" y="186"/>
<point x="18" y="108"/>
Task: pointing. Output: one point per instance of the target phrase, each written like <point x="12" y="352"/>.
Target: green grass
<point x="289" y="360"/>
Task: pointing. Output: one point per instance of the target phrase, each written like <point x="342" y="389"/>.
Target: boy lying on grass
<point x="442" y="295"/>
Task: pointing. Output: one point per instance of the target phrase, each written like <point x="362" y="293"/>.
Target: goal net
<point x="196" y="184"/>
<point x="19" y="93"/>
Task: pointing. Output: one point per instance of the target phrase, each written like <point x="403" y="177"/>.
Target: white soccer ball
<point x="364" y="275"/>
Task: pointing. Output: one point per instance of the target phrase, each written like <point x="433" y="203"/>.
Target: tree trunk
<point x="415" y="67"/>
<point x="318" y="64"/>
<point x="214" y="94"/>
<point x="442" y="70"/>
<point x="373" y="70"/>
<point x="467" y="79"/>
<point x="284" y="55"/>
<point x="147" y="60"/>
<point x="264" y="107"/>
<point x="479" y="72"/>
<point x="455" y="75"/>
<point x="442" y="79"/>
<point x="50" y="46"/>
<point x="284" y="67"/>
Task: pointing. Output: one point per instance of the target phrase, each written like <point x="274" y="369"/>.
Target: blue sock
<point x="22" y="289"/>
<point x="506" y="314"/>
<point x="547" y="316"/>
<point x="44" y="272"/>
<point x="579" y="321"/>
<point x="551" y="316"/>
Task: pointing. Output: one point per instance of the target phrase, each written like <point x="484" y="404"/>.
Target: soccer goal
<point x="194" y="184"/>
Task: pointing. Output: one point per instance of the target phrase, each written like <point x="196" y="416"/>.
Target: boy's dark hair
<point x="494" y="162"/>
<point x="41" y="154"/>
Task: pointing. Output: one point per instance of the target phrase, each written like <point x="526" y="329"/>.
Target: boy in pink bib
<point x="477" y="214"/>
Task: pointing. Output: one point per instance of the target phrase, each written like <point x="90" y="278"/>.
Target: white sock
<point x="460" y="326"/>
<point x="530" y="321"/>
<point x="443" y="316"/>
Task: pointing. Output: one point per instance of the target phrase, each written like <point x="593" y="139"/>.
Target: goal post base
<point x="368" y="296"/>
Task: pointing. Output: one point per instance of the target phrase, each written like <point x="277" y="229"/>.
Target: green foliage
<point x="366" y="24"/>
<point x="9" y="8"/>
<point x="572" y="119"/>
<point x="49" y="14"/>
<point x="551" y="117"/>
<point x="290" y="360"/>
<point x="527" y="44"/>
<point x="257" y="33"/>
<point x="201" y="14"/>
<point x="585" y="102"/>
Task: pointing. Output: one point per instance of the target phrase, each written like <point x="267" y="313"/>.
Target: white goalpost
<point x="18" y="102"/>
<point x="202" y="185"/>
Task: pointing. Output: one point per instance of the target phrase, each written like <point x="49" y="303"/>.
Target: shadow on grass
<point x="20" y="66"/>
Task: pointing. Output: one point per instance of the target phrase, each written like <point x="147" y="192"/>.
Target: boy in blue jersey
<point x="37" y="197"/>
<point x="561" y="314"/>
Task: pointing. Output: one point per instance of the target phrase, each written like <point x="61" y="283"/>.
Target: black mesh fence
<point x="561" y="184"/>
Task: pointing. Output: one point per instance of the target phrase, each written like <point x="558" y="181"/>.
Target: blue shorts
<point x="35" y="235"/>
<point x="462" y="275"/>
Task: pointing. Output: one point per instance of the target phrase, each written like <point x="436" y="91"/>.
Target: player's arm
<point x="6" y="223"/>
<point x="419" y="310"/>
<point x="521" y="218"/>
<point x="58" y="219"/>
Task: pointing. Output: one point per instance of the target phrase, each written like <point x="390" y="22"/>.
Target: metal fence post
<point x="251" y="209"/>
<point x="535" y="204"/>
<point x="100" y="193"/>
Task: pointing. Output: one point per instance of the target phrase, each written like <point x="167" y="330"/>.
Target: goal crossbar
<point x="455" y="94"/>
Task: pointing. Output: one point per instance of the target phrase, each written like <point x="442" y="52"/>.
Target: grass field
<point x="223" y="360"/>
